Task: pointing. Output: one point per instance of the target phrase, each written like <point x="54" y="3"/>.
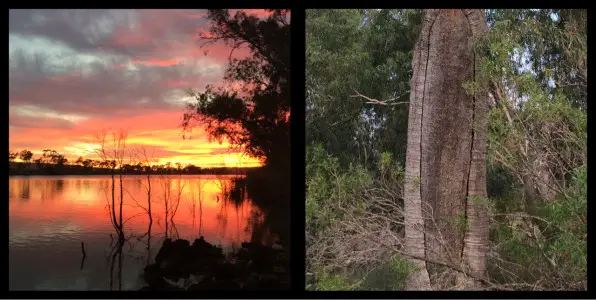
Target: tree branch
<point x="383" y="102"/>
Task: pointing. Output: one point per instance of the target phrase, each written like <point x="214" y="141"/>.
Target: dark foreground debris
<point x="202" y="266"/>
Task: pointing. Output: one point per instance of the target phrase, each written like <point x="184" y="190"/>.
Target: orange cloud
<point x="161" y="63"/>
<point x="260" y="13"/>
<point x="157" y="132"/>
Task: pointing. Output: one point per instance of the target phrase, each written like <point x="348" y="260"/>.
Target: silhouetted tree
<point x="126" y="168"/>
<point x="12" y="156"/>
<point x="192" y="169"/>
<point x="51" y="156"/>
<point x="111" y="150"/>
<point x="255" y="118"/>
<point x="26" y="155"/>
<point x="145" y="163"/>
<point x="88" y="163"/>
<point x="48" y="155"/>
<point x="60" y="160"/>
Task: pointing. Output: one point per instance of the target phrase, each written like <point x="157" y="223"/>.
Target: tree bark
<point x="477" y="218"/>
<point x="446" y="149"/>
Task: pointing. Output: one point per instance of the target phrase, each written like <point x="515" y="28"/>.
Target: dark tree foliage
<point x="12" y="155"/>
<point x="26" y="155"/>
<point x="368" y="51"/>
<point x="255" y="118"/>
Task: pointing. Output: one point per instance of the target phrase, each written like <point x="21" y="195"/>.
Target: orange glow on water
<point x="83" y="203"/>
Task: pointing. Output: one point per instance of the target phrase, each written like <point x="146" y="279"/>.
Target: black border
<point x="298" y="149"/>
<point x="297" y="207"/>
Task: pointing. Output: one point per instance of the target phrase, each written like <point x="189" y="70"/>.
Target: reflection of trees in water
<point x="238" y="196"/>
<point x="117" y="251"/>
<point x="225" y="186"/>
<point x="260" y="229"/>
<point x="48" y="189"/>
<point x="116" y="255"/>
<point x="60" y="185"/>
<point x="25" y="191"/>
<point x="149" y="243"/>
<point x="222" y="216"/>
<point x="266" y="223"/>
<point x="228" y="194"/>
<point x="238" y="193"/>
<point x="171" y="200"/>
<point x="118" y="224"/>
<point x="111" y="208"/>
<point x="196" y="193"/>
<point x="254" y="227"/>
<point x="270" y="192"/>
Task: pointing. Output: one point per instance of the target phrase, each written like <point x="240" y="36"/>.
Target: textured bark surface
<point x="446" y="135"/>
<point x="445" y="159"/>
<point x="476" y="239"/>
<point x="414" y="228"/>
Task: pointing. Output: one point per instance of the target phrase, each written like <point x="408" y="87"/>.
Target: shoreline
<point x="118" y="174"/>
<point x="80" y="171"/>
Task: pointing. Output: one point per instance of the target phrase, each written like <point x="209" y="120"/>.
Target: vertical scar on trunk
<point x="463" y="244"/>
<point x="422" y="118"/>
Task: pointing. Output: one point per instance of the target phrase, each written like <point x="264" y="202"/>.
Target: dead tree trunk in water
<point x="445" y="212"/>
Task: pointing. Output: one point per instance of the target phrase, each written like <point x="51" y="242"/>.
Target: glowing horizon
<point x="73" y="73"/>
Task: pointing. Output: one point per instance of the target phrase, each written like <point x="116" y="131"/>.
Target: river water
<point x="50" y="216"/>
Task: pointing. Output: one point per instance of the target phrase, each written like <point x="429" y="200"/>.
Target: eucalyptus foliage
<point x="535" y="69"/>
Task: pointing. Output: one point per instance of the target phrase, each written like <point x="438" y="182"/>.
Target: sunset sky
<point x="74" y="72"/>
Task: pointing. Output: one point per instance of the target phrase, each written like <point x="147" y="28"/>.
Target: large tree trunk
<point x="414" y="223"/>
<point x="445" y="163"/>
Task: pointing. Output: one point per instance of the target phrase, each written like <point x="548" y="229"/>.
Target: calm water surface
<point x="50" y="216"/>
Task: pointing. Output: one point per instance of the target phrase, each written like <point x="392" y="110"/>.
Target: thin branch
<point x="383" y="102"/>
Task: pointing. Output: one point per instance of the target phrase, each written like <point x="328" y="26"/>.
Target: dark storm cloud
<point x="39" y="122"/>
<point x="126" y="32"/>
<point x="79" y="29"/>
<point x="105" y="62"/>
<point x="103" y="89"/>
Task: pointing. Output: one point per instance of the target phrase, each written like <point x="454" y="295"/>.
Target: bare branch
<point x="375" y="101"/>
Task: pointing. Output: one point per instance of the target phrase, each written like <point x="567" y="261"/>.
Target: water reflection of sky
<point x="49" y="217"/>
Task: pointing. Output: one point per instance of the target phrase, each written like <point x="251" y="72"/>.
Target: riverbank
<point x="33" y="169"/>
<point x="202" y="266"/>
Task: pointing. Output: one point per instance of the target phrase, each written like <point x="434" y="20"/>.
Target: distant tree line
<point x="52" y="162"/>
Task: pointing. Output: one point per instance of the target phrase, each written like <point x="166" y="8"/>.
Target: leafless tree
<point x="111" y="148"/>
